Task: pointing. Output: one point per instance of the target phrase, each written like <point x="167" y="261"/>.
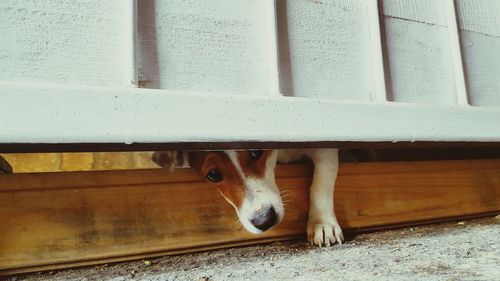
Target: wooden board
<point x="56" y="220"/>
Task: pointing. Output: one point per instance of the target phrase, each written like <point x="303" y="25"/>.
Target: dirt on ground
<point x="467" y="250"/>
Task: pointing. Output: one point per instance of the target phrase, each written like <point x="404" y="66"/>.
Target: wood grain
<point x="55" y="220"/>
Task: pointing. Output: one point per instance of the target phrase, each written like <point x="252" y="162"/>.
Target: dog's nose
<point x="265" y="218"/>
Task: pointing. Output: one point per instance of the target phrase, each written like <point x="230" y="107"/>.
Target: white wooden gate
<point x="243" y="70"/>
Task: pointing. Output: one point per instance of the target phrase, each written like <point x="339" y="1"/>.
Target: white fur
<point x="323" y="228"/>
<point x="259" y="192"/>
<point x="233" y="156"/>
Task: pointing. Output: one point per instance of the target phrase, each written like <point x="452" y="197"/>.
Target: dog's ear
<point x="171" y="159"/>
<point x="165" y="159"/>
<point x="5" y="167"/>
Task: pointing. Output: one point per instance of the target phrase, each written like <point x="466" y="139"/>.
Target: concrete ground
<point x="467" y="250"/>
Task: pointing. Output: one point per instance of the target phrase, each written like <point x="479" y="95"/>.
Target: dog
<point x="246" y="179"/>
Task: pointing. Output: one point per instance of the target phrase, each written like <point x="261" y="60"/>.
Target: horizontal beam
<point x="55" y="220"/>
<point x="168" y="146"/>
<point x="45" y="114"/>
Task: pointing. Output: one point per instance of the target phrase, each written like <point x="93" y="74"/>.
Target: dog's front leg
<point x="323" y="228"/>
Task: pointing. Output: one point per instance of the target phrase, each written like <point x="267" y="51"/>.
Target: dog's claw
<point x="323" y="233"/>
<point x="339" y="236"/>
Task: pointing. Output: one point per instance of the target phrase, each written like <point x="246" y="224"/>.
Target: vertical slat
<point x="376" y="52"/>
<point x="129" y="45"/>
<point x="273" y="87"/>
<point x="456" y="53"/>
<point x="130" y="73"/>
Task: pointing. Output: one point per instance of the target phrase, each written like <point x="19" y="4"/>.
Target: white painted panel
<point x="325" y="49"/>
<point x="481" y="16"/>
<point x="456" y="54"/>
<point x="482" y="65"/>
<point x="424" y="11"/>
<point x="62" y="41"/>
<point x="209" y="46"/>
<point x="377" y="50"/>
<point x="479" y="22"/>
<point x="124" y="115"/>
<point x="417" y="52"/>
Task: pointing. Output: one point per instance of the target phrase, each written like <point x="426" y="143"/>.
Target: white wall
<point x="222" y="48"/>
<point x="203" y="46"/>
<point x="325" y="49"/>
<point x="219" y="47"/>
<point x="418" y="52"/>
<point x="71" y="42"/>
<point x="479" y="22"/>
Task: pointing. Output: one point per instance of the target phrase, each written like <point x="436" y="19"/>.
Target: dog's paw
<point x="324" y="232"/>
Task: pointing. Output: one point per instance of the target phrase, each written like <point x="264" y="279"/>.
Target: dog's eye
<point x="255" y="153"/>
<point x="214" y="175"/>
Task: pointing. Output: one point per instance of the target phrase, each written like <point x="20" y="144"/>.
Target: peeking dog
<point x="246" y="180"/>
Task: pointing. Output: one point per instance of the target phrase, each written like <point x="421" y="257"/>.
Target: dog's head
<point x="244" y="178"/>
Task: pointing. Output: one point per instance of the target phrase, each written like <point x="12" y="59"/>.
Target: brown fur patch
<point x="253" y="167"/>
<point x="231" y="186"/>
